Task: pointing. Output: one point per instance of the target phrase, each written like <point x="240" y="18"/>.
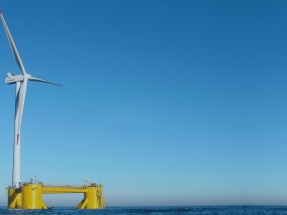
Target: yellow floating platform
<point x="30" y="196"/>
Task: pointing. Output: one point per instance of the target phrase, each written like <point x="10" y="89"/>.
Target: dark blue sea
<point x="232" y="210"/>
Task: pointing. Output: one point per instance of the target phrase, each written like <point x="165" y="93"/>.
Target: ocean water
<point x="228" y="210"/>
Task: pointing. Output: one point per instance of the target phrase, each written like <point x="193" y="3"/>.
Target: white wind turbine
<point x="21" y="86"/>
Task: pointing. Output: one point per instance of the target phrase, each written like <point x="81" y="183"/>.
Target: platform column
<point x="32" y="197"/>
<point x="14" y="198"/>
<point x="91" y="195"/>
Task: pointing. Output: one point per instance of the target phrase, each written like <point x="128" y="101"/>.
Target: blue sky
<point x="165" y="102"/>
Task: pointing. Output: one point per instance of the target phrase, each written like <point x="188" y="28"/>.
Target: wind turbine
<point x="21" y="86"/>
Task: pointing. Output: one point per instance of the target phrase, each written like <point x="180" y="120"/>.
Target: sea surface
<point x="232" y="210"/>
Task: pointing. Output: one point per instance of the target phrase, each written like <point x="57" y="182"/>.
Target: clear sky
<point x="164" y="102"/>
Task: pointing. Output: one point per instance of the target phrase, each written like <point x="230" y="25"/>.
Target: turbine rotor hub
<point x="27" y="76"/>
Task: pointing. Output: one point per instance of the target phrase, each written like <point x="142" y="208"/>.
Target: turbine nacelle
<point x="12" y="79"/>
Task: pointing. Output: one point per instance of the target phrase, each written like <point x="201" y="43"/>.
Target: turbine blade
<point x="17" y="98"/>
<point x="40" y="80"/>
<point x="21" y="101"/>
<point x="16" y="132"/>
<point x="12" y="45"/>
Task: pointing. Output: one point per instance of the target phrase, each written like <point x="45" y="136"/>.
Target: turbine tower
<point x="21" y="86"/>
